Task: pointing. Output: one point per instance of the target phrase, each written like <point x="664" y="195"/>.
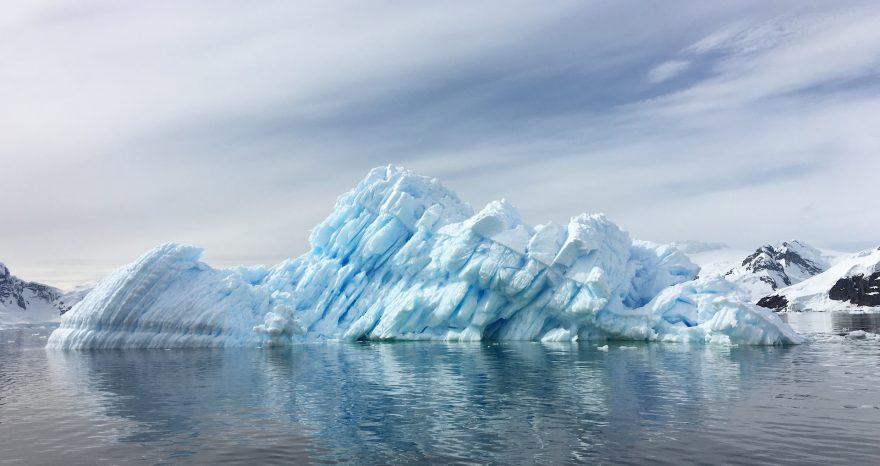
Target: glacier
<point x="401" y="257"/>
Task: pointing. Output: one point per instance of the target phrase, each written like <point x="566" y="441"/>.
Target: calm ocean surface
<point x="418" y="403"/>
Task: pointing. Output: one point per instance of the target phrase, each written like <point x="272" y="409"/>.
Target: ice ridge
<point x="401" y="257"/>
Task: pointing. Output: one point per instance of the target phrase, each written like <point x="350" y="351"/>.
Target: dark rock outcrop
<point x="22" y="294"/>
<point x="774" y="301"/>
<point x="783" y="264"/>
<point x="861" y="290"/>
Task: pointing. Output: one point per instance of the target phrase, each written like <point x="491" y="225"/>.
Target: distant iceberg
<point x="402" y="258"/>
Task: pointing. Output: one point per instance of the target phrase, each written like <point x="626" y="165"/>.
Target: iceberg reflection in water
<point x="399" y="403"/>
<point x="833" y="322"/>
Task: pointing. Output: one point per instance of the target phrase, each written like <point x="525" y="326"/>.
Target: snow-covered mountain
<point x="401" y="257"/>
<point x="851" y="284"/>
<point x="794" y="276"/>
<point x="764" y="270"/>
<point x="776" y="266"/>
<point x="27" y="302"/>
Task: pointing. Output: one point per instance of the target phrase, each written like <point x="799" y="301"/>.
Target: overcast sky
<point x="234" y="125"/>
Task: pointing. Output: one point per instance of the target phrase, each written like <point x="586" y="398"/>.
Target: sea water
<point x="423" y="403"/>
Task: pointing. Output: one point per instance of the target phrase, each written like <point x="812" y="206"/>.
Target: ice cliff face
<point x="401" y="257"/>
<point x="24" y="302"/>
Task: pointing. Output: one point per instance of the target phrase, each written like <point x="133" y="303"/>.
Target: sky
<point x="235" y="125"/>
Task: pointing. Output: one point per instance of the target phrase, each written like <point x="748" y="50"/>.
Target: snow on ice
<point x="401" y="257"/>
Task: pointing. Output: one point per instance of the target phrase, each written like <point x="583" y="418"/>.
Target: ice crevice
<point x="401" y="257"/>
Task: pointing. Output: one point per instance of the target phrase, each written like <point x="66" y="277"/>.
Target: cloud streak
<point x="667" y="70"/>
<point x="235" y="126"/>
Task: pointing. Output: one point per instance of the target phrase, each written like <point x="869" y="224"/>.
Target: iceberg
<point x="401" y="257"/>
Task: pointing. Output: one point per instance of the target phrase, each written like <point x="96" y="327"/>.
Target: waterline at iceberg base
<point x="402" y="258"/>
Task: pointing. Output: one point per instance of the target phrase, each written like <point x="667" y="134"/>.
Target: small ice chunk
<point x="857" y="335"/>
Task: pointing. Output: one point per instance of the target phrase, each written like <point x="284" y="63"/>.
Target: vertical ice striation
<point x="167" y="298"/>
<point x="401" y="257"/>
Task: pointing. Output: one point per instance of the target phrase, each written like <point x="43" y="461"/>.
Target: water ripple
<point x="427" y="403"/>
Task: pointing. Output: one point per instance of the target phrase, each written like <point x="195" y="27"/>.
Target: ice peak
<point x="496" y="217"/>
<point x="388" y="194"/>
<point x="384" y="187"/>
<point x="175" y="251"/>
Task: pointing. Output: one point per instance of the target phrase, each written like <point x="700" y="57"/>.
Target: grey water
<point x="431" y="403"/>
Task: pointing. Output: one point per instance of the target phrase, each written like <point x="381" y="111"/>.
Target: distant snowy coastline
<point x="23" y="302"/>
<point x="794" y="276"/>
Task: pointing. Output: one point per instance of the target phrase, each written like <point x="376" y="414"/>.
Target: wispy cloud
<point x="667" y="70"/>
<point x="235" y="126"/>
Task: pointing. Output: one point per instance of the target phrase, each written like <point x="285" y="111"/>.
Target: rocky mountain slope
<point x="24" y="302"/>
<point x="794" y="276"/>
<point x="764" y="270"/>
<point x="852" y="284"/>
<point x="776" y="266"/>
